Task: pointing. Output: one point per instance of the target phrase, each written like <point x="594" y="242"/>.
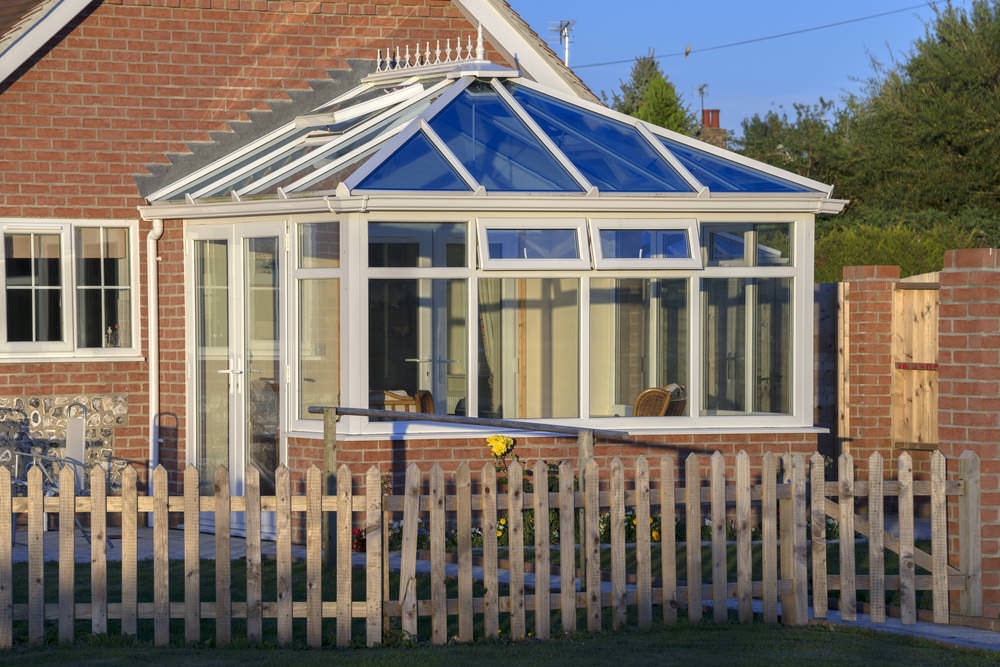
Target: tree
<point x="649" y="96"/>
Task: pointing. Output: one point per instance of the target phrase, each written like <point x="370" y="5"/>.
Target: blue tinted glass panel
<point x="416" y="165"/>
<point x="721" y="175"/>
<point x="612" y="155"/>
<point x="532" y="244"/>
<point x="496" y="146"/>
<point x="644" y="244"/>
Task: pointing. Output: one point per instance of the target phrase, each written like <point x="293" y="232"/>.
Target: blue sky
<point x="741" y="80"/>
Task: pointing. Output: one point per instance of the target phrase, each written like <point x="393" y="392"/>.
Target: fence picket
<point x="439" y="595"/>
<point x="592" y="543"/>
<point x="192" y="559"/>
<point x="668" y="541"/>
<point x="567" y="548"/>
<point x="717" y="485"/>
<point x="769" y="546"/>
<point x="67" y="556"/>
<point x="939" y="538"/>
<point x="540" y="504"/>
<point x="907" y="562"/>
<point x="283" y="551"/>
<point x="692" y="509"/>
<point x="344" y="562"/>
<point x="744" y="556"/>
<point x="848" y="589"/>
<point x="643" y="576"/>
<point x="463" y="522"/>
<point x="7" y="524"/>
<point x="818" y="519"/>
<point x="619" y="601"/>
<point x="515" y="548"/>
<point x="161" y="559"/>
<point x="800" y="565"/>
<point x="255" y="576"/>
<point x="98" y="552"/>
<point x="130" y="555"/>
<point x="408" y="554"/>
<point x="36" y="558"/>
<point x="373" y="556"/>
<point x="223" y="568"/>
<point x="970" y="540"/>
<point x="876" y="546"/>
<point x="314" y="558"/>
<point x="491" y="594"/>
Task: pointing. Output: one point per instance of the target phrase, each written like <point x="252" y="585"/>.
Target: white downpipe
<point x="153" y="341"/>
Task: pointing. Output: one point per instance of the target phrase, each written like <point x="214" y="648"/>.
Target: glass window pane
<point x="17" y="252"/>
<point x="319" y="245"/>
<point x="89" y="323"/>
<point x="118" y="313"/>
<point x="732" y="245"/>
<point x="412" y="244"/>
<point x="19" y="319"/>
<point x="722" y="175"/>
<point x="48" y="316"/>
<point x="416" y="345"/>
<point x="319" y="345"/>
<point x="611" y="154"/>
<point x="529" y="347"/>
<point x="638" y="339"/>
<point x="532" y="243"/>
<point x="416" y="165"/>
<point x="496" y="146"/>
<point x="738" y="380"/>
<point x="644" y="244"/>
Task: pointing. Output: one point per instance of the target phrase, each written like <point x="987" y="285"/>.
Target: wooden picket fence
<point x="473" y="592"/>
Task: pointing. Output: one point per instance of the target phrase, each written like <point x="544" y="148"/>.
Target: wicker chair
<point x="678" y="400"/>
<point x="652" y="402"/>
<point x="424" y="400"/>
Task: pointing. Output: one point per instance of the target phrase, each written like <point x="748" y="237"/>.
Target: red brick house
<point x="219" y="213"/>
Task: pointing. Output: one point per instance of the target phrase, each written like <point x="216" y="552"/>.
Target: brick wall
<point x="969" y="382"/>
<point x="133" y="81"/>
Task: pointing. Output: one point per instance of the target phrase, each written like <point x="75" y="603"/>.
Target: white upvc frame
<point x="577" y="225"/>
<point x="688" y="225"/>
<point x="68" y="349"/>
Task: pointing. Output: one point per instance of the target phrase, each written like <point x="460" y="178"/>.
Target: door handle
<point x="230" y="371"/>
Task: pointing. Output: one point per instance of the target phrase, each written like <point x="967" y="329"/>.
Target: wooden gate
<point x="915" y="368"/>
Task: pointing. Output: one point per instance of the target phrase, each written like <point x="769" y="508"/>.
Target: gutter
<point x="153" y="342"/>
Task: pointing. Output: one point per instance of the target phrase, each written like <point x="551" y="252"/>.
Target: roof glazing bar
<point x="343" y="160"/>
<point x="671" y="159"/>
<point x="362" y="109"/>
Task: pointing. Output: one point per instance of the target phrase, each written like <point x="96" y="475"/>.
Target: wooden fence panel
<point x="692" y="502"/>
<point x="463" y="523"/>
<point x="192" y="557"/>
<point x="914" y="409"/>
<point x="720" y="613"/>
<point x="543" y="578"/>
<point x="644" y="594"/>
<point x="907" y="561"/>
<point x="939" y="538"/>
<point x="848" y="589"/>
<point x="619" y="601"/>
<point x="744" y="555"/>
<point x="668" y="541"/>
<point x="255" y="574"/>
<point x="567" y="548"/>
<point x="876" y="545"/>
<point x="439" y="595"/>
<point x="67" y="554"/>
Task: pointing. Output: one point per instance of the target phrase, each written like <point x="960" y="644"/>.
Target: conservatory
<point x="453" y="238"/>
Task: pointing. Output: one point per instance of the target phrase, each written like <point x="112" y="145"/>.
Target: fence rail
<point x="605" y="548"/>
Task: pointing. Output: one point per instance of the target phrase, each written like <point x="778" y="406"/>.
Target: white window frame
<point x="68" y="348"/>
<point x="688" y="225"/>
<point x="578" y="225"/>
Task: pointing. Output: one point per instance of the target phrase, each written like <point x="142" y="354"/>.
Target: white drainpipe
<point x="153" y="333"/>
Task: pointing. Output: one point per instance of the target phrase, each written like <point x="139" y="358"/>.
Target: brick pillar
<point x="969" y="388"/>
<point x="866" y="418"/>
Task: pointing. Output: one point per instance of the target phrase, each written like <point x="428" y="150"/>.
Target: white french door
<point x="235" y="353"/>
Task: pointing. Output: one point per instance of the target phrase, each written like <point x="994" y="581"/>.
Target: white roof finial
<point x="480" y="51"/>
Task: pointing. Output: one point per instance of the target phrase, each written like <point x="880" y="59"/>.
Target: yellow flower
<point x="499" y="533"/>
<point x="503" y="521"/>
<point x="656" y="535"/>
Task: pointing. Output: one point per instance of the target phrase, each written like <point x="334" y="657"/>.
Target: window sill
<point x="68" y="357"/>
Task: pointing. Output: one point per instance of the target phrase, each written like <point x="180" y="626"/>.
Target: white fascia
<point x="34" y="34"/>
<point x="531" y="60"/>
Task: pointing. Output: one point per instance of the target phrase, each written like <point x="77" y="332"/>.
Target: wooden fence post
<point x="373" y="556"/>
<point x="939" y="538"/>
<point x="717" y="509"/>
<point x="794" y="604"/>
<point x="7" y="522"/>
<point x="692" y="501"/>
<point x="818" y="514"/>
<point x="592" y="544"/>
<point x="67" y="559"/>
<point x="848" y="588"/>
<point x="970" y="547"/>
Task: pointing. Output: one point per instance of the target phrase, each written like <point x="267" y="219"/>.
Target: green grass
<point x="703" y="644"/>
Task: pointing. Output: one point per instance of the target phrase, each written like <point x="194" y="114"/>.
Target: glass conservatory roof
<point x="460" y="132"/>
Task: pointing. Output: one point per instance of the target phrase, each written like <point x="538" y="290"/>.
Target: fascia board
<point x="35" y="34"/>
